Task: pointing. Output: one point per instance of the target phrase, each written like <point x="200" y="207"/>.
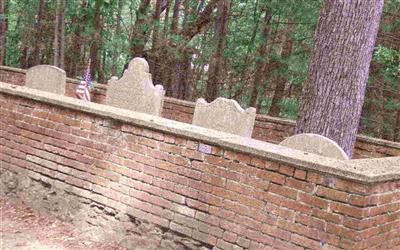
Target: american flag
<point x="83" y="89"/>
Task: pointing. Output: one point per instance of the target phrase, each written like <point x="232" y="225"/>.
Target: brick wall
<point x="206" y="189"/>
<point x="266" y="128"/>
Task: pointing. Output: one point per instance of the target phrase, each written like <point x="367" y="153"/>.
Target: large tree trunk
<point x="214" y="78"/>
<point x="3" y="30"/>
<point x="59" y="34"/>
<point x="39" y="32"/>
<point x="333" y="94"/>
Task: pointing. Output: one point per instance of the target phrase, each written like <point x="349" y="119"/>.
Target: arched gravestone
<point x="46" y="78"/>
<point x="224" y="115"/>
<point x="315" y="144"/>
<point x="135" y="90"/>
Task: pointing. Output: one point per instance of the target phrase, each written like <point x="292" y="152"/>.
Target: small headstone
<point x="46" y="78"/>
<point x="135" y="90"/>
<point x="224" y="115"/>
<point x="315" y="144"/>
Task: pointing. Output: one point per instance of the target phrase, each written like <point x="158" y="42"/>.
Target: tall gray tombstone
<point x="46" y="78"/>
<point x="224" y="115"/>
<point x="315" y="144"/>
<point x="135" y="90"/>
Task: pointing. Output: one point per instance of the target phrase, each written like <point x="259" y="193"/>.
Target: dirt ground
<point x="21" y="229"/>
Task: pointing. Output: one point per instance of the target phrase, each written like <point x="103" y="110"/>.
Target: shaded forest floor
<point x="23" y="229"/>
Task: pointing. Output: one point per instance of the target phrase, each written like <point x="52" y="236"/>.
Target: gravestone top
<point x="46" y="78"/>
<point x="135" y="90"/>
<point x="224" y="115"/>
<point x="315" y="144"/>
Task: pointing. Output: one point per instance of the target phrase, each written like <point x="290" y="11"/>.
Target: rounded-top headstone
<point x="315" y="144"/>
<point x="139" y="64"/>
<point x="135" y="90"/>
<point x="46" y="78"/>
<point x="224" y="115"/>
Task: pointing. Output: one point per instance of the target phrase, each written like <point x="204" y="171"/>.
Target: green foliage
<point x="289" y="108"/>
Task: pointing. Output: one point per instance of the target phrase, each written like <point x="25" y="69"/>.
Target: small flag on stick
<point x="83" y="89"/>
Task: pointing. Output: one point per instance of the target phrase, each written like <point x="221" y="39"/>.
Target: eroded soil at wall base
<point x="23" y="228"/>
<point x="37" y="215"/>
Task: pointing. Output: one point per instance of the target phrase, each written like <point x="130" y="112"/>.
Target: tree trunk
<point x="95" y="66"/>
<point x="59" y="34"/>
<point x="171" y="59"/>
<point x="39" y="32"/>
<point x="333" y="94"/>
<point x="191" y="29"/>
<point x="397" y="127"/>
<point x="117" y="33"/>
<point x="261" y="59"/>
<point x="214" y="78"/>
<point x="3" y="30"/>
<point x="140" y="30"/>
<point x="155" y="52"/>
<point x="281" y="80"/>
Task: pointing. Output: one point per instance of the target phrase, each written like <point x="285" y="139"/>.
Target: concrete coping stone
<point x="364" y="171"/>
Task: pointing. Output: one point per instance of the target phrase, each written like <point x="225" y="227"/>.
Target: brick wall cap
<point x="366" y="170"/>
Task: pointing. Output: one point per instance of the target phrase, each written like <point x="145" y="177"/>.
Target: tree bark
<point x="396" y="133"/>
<point x="117" y="32"/>
<point x="217" y="58"/>
<point x="95" y="57"/>
<point x="154" y="65"/>
<point x="193" y="28"/>
<point x="333" y="94"/>
<point x="39" y="32"/>
<point x="281" y="80"/>
<point x="261" y="59"/>
<point x="59" y="34"/>
<point x="140" y="31"/>
<point x="3" y="31"/>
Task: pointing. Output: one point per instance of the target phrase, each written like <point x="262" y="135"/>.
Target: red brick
<point x="332" y="194"/>
<point x="203" y="237"/>
<point x="305" y="242"/>
<point x="300" y="185"/>
<point x="283" y="191"/>
<point x="271" y="176"/>
<point x="208" y="229"/>
<point x="286" y="170"/>
<point x="313" y="201"/>
<point x="327" y="216"/>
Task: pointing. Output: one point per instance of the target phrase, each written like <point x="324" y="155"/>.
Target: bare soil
<point x="21" y="228"/>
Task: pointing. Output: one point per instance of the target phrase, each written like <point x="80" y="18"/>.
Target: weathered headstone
<point x="315" y="144"/>
<point x="135" y="90"/>
<point x="224" y="115"/>
<point x="46" y="78"/>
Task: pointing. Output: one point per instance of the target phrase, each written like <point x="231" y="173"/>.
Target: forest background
<point x="253" y="51"/>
